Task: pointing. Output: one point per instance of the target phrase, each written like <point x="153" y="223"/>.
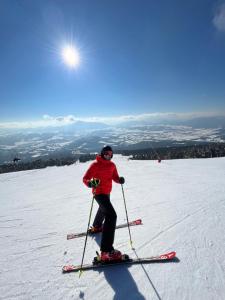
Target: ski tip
<point x="71" y="268"/>
<point x="138" y="222"/>
<point x="70" y="236"/>
<point x="67" y="269"/>
<point x="169" y="255"/>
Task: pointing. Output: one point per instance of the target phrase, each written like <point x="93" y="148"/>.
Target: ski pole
<point x="131" y="243"/>
<point x="85" y="243"/>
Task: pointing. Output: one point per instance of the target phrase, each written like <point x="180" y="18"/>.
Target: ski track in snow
<point x="181" y="204"/>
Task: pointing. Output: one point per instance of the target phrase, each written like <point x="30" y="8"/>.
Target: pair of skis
<point x="126" y="260"/>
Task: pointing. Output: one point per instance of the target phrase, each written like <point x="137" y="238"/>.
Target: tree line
<point x="181" y="152"/>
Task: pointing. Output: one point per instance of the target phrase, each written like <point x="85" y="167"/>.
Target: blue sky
<point x="137" y="57"/>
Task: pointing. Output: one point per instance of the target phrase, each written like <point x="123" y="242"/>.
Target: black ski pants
<point x="106" y="214"/>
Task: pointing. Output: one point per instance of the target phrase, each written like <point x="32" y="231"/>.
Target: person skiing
<point x="99" y="177"/>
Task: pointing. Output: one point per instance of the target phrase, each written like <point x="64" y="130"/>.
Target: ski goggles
<point x="108" y="153"/>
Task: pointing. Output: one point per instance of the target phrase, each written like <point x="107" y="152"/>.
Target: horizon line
<point x="60" y="121"/>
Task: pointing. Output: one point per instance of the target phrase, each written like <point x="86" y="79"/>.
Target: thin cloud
<point x="59" y="121"/>
<point x="219" y="18"/>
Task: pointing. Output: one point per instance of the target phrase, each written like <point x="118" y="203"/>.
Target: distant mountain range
<point x="85" y="137"/>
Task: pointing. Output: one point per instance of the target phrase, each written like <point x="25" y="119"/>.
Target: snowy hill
<point x="181" y="203"/>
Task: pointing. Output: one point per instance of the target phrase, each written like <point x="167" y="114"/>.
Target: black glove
<point x="94" y="182"/>
<point x="121" y="180"/>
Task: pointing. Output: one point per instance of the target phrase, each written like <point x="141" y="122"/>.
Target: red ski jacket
<point x="106" y="171"/>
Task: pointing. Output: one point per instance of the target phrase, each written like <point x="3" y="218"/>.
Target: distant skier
<point x="99" y="177"/>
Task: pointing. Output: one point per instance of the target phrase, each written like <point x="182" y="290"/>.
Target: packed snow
<point x="181" y="204"/>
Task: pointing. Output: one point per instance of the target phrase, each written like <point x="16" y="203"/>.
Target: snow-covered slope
<point x="181" y="203"/>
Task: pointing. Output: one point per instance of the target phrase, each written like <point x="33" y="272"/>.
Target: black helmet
<point x="106" y="149"/>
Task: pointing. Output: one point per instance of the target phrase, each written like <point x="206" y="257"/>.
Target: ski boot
<point x="94" y="229"/>
<point x="114" y="256"/>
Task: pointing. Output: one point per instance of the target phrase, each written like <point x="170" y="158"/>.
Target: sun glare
<point x="71" y="56"/>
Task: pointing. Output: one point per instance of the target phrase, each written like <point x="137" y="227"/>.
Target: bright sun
<point x="71" y="56"/>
